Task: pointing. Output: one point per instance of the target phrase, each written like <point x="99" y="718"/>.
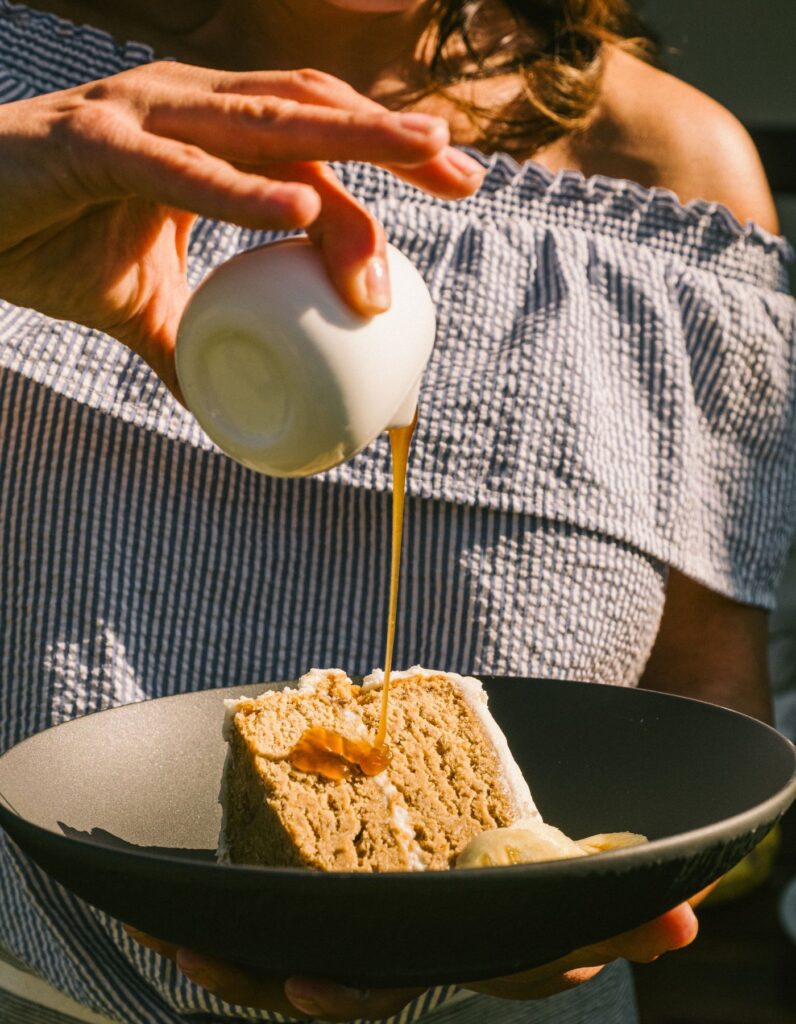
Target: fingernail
<point x="423" y="123"/>
<point x="464" y="165"/>
<point x="377" y="283"/>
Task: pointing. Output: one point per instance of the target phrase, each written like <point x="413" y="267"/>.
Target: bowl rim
<point x="681" y="844"/>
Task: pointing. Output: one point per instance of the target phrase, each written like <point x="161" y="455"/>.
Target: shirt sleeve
<point x="739" y="487"/>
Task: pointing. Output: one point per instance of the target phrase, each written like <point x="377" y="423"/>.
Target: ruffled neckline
<point x="504" y="170"/>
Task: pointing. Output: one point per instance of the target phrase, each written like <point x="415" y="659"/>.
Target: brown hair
<point x="554" y="47"/>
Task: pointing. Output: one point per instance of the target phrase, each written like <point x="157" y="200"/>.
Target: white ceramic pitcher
<point x="283" y="375"/>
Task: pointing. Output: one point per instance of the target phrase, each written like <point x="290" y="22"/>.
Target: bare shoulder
<point x="653" y="128"/>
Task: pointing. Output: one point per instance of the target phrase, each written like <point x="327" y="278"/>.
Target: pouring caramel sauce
<point x="325" y="751"/>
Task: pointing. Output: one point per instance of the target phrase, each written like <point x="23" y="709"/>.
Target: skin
<point x="711" y="648"/>
<point x="136" y="157"/>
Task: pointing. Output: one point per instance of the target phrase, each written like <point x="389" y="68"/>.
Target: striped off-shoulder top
<point x="612" y="393"/>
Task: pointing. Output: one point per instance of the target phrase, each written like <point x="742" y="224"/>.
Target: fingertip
<point x="429" y="135"/>
<point x="451" y="174"/>
<point x="675" y="929"/>
<point x="366" y="290"/>
<point x="353" y="247"/>
<point x="683" y="925"/>
<point x="429" y="126"/>
<point x="469" y="171"/>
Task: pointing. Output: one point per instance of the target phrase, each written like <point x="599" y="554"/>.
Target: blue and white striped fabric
<point x="611" y="393"/>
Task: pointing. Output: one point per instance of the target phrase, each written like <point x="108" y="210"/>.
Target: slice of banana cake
<point x="450" y="775"/>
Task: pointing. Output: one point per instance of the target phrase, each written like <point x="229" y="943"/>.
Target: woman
<point x="601" y="480"/>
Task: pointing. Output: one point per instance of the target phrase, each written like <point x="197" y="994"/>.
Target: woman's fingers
<point x="672" y="930"/>
<point x="252" y="129"/>
<point x="236" y="985"/>
<point x="308" y="85"/>
<point x="297" y="996"/>
<point x="277" y="196"/>
<point x="330" y="1001"/>
<point x="307" y="115"/>
<point x="228" y="982"/>
<point x="176" y="174"/>
<point x="311" y="996"/>
<point x="350" y="239"/>
<point x="451" y="174"/>
<point x="172" y="135"/>
<point x="182" y="138"/>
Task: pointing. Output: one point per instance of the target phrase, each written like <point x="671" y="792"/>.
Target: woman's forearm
<point x="711" y="648"/>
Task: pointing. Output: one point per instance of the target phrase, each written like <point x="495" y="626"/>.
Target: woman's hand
<point x="328" y="1001"/>
<point x="100" y="185"/>
<point x="673" y="930"/>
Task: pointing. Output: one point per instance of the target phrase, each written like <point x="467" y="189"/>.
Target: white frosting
<point x="231" y="706"/>
<point x="222" y="848"/>
<point x="309" y="682"/>
<point x="475" y="695"/>
<point x="402" y="829"/>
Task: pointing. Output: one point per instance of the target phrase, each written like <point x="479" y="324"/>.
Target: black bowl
<point x="121" y="808"/>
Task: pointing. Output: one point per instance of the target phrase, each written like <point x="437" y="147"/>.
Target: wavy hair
<point x="554" y="48"/>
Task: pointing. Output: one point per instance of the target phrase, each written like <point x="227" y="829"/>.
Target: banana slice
<point x="529" y="845"/>
<point x="501" y="846"/>
<point x="604" y="841"/>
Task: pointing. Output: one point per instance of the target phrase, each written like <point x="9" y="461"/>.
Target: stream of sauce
<point x="400" y="440"/>
<point x="325" y="751"/>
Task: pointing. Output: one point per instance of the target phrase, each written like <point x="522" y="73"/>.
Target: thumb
<point x="155" y="342"/>
<point x="151" y="331"/>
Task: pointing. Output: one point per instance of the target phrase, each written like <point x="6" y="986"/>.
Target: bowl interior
<point x="597" y="759"/>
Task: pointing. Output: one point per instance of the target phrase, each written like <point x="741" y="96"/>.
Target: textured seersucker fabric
<point x="611" y="393"/>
